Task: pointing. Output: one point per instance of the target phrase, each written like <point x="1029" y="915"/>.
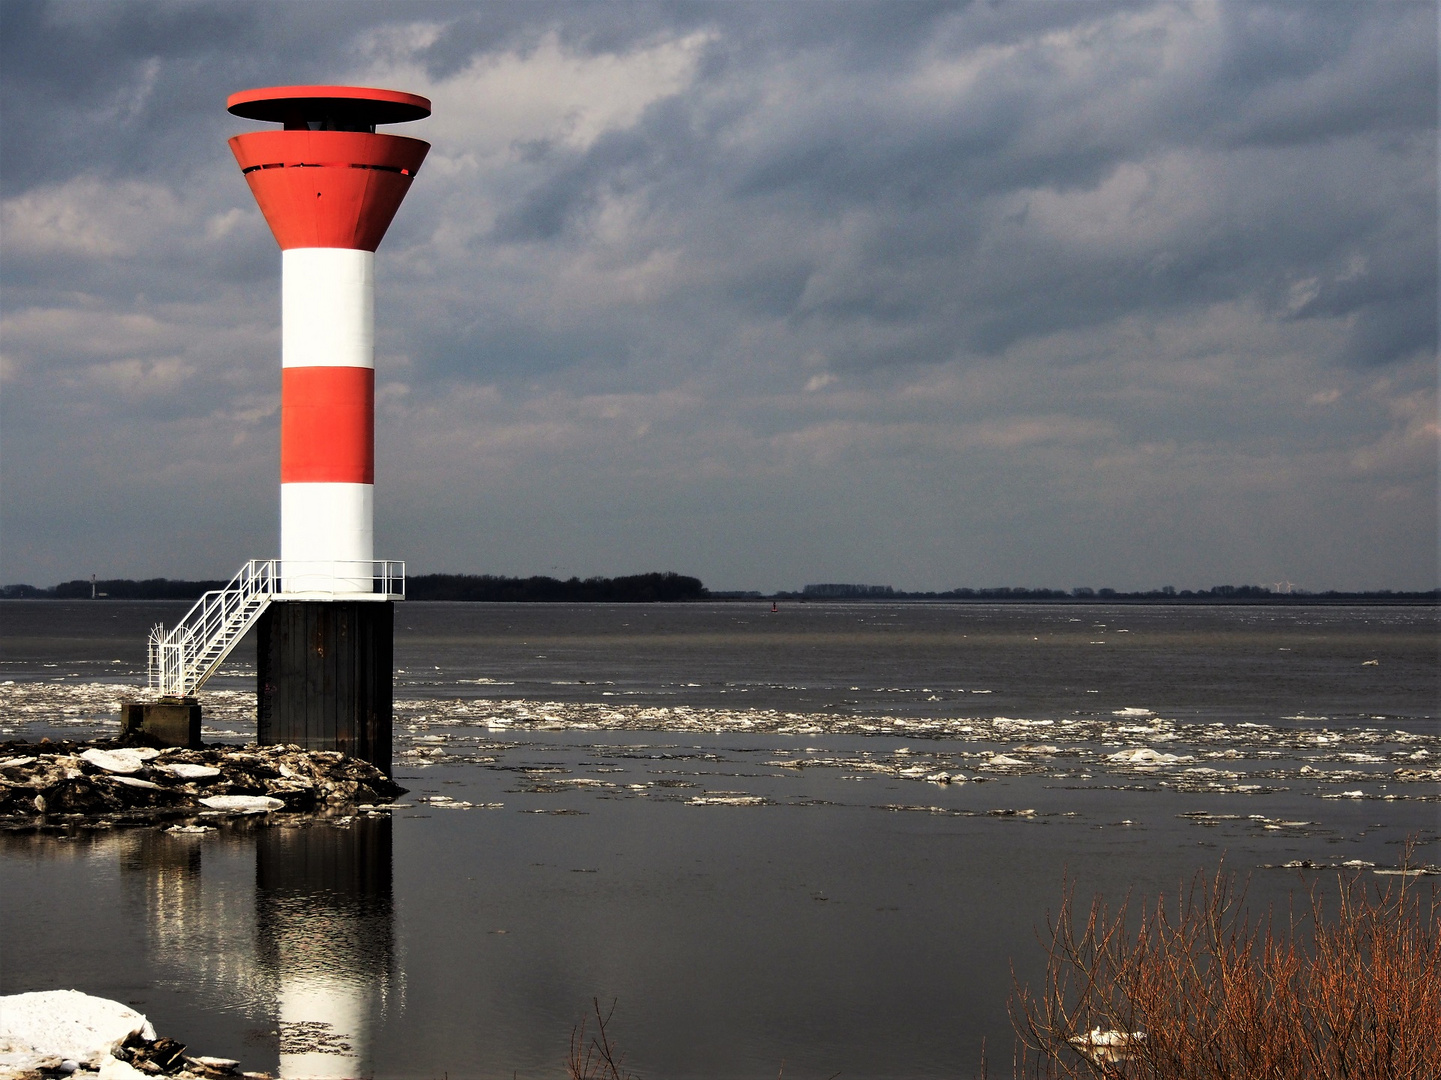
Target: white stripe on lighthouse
<point x="326" y="534"/>
<point x="327" y="316"/>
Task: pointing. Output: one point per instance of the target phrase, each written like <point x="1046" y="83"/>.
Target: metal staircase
<point x="181" y="660"/>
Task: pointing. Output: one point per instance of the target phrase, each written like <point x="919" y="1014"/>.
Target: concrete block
<point x="170" y="721"/>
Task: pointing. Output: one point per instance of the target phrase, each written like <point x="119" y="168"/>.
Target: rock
<point x="141" y="784"/>
<point x="81" y="795"/>
<point x="163" y="1054"/>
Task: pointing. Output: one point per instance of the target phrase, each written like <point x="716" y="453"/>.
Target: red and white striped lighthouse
<point x="329" y="186"/>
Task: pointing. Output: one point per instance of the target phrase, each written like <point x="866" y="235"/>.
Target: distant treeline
<point x="635" y="589"/>
<point x="1166" y="594"/>
<point x="646" y="588"/>
<point x="114" y="589"/>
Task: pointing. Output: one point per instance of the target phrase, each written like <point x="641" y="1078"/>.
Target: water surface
<point x="721" y="820"/>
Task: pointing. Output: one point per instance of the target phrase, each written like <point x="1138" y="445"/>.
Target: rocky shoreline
<point x="49" y="786"/>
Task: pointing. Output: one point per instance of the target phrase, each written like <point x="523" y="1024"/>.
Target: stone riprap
<point x="48" y="784"/>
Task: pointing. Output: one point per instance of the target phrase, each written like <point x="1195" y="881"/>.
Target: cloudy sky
<point x="928" y="295"/>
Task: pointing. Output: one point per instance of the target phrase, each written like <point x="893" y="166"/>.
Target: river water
<point x="821" y="839"/>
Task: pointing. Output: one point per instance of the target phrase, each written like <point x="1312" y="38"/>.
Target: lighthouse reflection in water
<point x="319" y="972"/>
<point x="324" y="922"/>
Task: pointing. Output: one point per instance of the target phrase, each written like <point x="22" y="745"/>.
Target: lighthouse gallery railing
<point x="181" y="659"/>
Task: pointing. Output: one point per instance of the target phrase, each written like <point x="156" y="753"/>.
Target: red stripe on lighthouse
<point x="327" y="425"/>
<point x="328" y="188"/>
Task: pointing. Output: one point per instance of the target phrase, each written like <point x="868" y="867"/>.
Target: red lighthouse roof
<point x="328" y="180"/>
<point x="328" y="108"/>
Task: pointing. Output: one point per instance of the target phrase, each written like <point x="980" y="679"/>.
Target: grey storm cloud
<point x="933" y="294"/>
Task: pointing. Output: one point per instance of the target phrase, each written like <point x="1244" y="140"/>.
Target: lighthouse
<point x="328" y="185"/>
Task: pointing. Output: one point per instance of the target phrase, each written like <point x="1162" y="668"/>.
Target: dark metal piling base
<point x="324" y="679"/>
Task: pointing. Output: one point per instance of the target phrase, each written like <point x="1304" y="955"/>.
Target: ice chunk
<point x="115" y="1069"/>
<point x="243" y="804"/>
<point x="124" y="761"/>
<point x="1106" y="1047"/>
<point x="1144" y="755"/>
<point x="50" y="1024"/>
<point x="726" y="800"/>
<point x="1001" y="761"/>
<point x="197" y="772"/>
<point x="135" y="781"/>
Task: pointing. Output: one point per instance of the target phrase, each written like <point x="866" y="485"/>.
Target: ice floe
<point x="1314" y="753"/>
<point x="124" y="761"/>
<point x="1003" y="761"/>
<point x="39" y="1030"/>
<point x="1144" y="755"/>
<point x="243" y="804"/>
<point x="1108" y="1047"/>
<point x="727" y="799"/>
<point x="187" y="771"/>
<point x="68" y="1033"/>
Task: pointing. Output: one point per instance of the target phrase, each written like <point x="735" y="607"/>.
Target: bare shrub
<point x="599" y="1059"/>
<point x="1197" y="988"/>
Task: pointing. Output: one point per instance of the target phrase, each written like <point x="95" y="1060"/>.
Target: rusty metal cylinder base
<point x="324" y="677"/>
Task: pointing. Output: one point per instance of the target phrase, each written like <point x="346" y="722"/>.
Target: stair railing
<point x="181" y="660"/>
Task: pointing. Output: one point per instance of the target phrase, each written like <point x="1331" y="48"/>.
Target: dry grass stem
<point x="1196" y="989"/>
<point x="598" y="1059"/>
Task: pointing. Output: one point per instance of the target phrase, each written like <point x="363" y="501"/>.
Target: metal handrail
<point x="342" y="577"/>
<point x="182" y="660"/>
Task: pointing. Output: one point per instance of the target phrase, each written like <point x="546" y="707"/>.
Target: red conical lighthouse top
<point x="327" y="179"/>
